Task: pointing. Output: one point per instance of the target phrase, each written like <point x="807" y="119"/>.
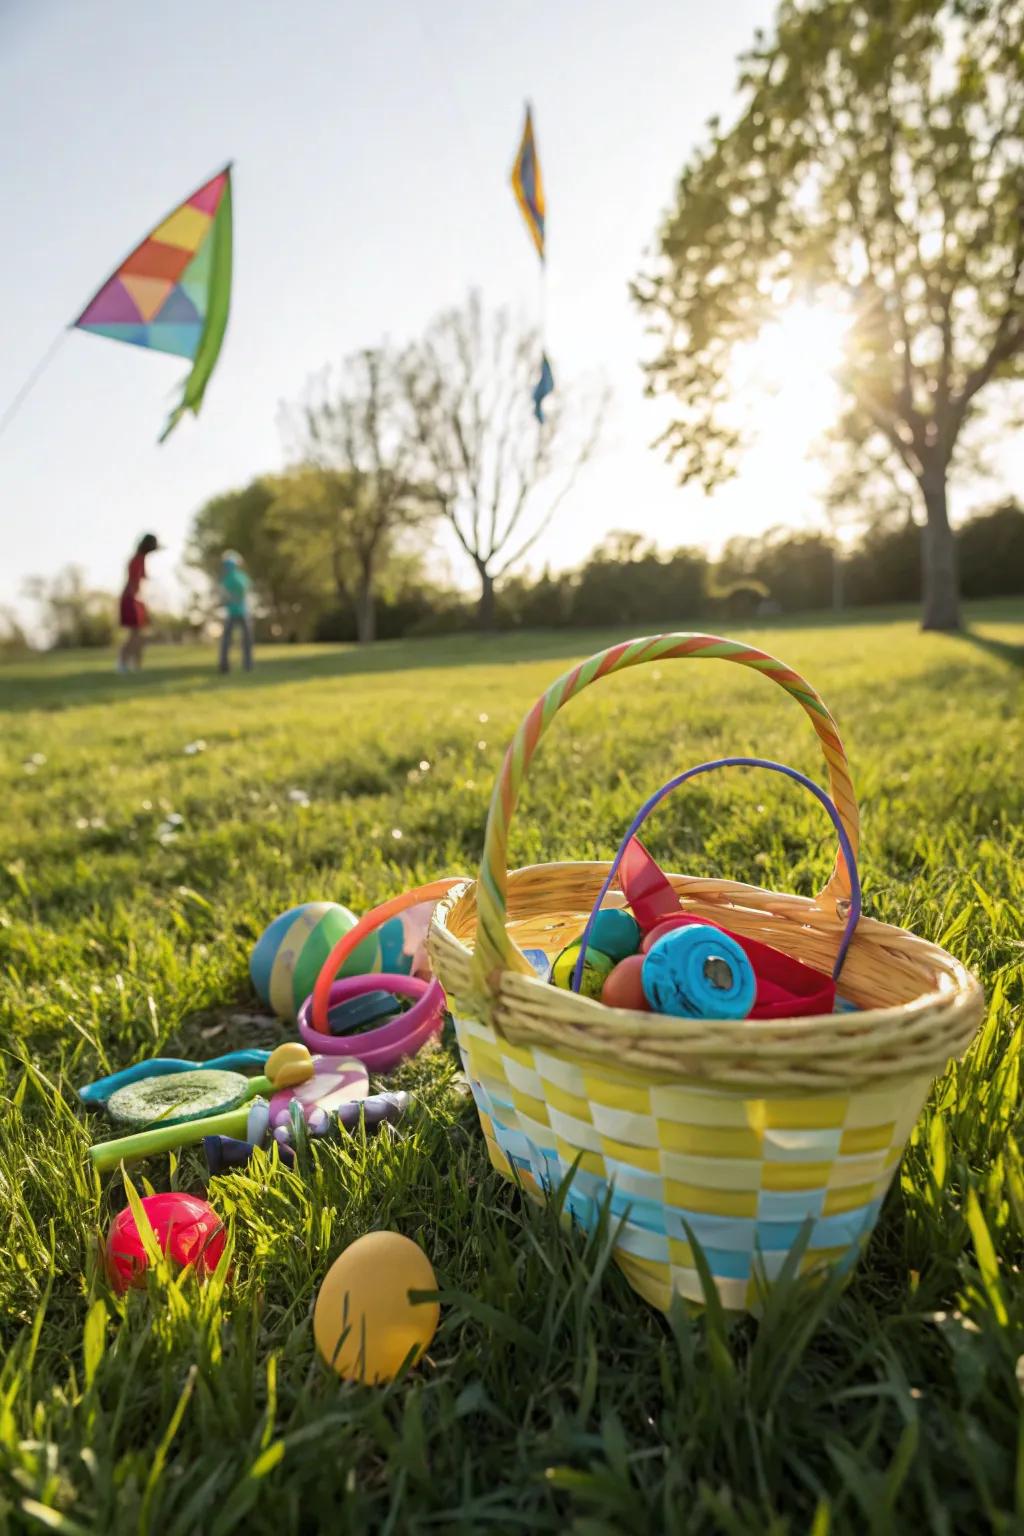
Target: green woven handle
<point x="494" y="951"/>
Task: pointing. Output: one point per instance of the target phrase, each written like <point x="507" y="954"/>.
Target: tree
<point x="875" y="167"/>
<point x="497" y="474"/>
<point x="353" y="433"/>
<point x="13" y="639"/>
<point x="991" y="545"/>
<point x="244" y="520"/>
<point x="626" y="580"/>
<point x="74" y="614"/>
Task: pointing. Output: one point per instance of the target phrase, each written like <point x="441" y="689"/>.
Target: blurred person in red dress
<point x="134" y="617"/>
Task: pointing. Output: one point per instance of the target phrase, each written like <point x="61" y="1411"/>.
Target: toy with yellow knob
<point x="317" y="1085"/>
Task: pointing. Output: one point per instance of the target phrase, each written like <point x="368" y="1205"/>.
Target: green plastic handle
<point x="166" y="1138"/>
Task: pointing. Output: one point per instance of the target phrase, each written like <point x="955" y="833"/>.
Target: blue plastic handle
<point x="655" y="800"/>
<point x="99" y="1092"/>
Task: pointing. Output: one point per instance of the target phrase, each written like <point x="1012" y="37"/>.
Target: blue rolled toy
<point x="699" y="972"/>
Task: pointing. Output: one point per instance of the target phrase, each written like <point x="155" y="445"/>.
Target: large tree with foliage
<point x="876" y="166"/>
<point x="360" y="495"/>
<point x="497" y="474"/>
<point x="247" y="520"/>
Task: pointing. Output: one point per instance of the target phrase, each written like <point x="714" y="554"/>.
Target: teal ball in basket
<point x="290" y="954"/>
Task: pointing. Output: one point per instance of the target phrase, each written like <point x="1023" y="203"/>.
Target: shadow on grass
<point x="1002" y="650"/>
<point x="44" y="683"/>
<point x="36" y="686"/>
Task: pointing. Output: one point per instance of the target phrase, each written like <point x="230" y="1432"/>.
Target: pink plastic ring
<point x="379" y="1049"/>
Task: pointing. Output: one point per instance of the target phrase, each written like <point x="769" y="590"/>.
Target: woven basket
<point x="744" y="1135"/>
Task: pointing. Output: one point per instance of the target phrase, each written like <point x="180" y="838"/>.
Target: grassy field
<point x="553" y="1400"/>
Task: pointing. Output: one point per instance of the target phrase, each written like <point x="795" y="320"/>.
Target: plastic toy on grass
<point x="366" y="1323"/>
<point x="402" y="1036"/>
<point x="102" y="1091"/>
<point x="403" y="941"/>
<point x="384" y="1047"/>
<point x="226" y="1152"/>
<point x="334" y="1083"/>
<point x="186" y="1229"/>
<point x="291" y="951"/>
<point x="376" y="1007"/>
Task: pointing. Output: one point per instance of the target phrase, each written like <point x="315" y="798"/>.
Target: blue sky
<point x="372" y="149"/>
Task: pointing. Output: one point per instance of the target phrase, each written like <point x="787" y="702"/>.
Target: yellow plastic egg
<point x="366" y="1292"/>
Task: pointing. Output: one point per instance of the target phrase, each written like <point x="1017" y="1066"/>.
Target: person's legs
<point x="224" y="664"/>
<point x="246" y="623"/>
<point x="130" y="655"/>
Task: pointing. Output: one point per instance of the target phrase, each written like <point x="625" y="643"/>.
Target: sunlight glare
<point x="785" y="377"/>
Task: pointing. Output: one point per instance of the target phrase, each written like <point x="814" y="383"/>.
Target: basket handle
<point x="650" y="805"/>
<point x="494" y="950"/>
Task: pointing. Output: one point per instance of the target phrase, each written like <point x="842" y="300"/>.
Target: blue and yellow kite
<point x="528" y="185"/>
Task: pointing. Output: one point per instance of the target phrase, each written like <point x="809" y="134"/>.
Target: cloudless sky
<point x="372" y="149"/>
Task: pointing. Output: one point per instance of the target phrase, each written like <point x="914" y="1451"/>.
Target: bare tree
<point x="497" y="473"/>
<point x="352" y="430"/>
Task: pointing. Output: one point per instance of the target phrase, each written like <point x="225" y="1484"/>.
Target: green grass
<point x="553" y="1399"/>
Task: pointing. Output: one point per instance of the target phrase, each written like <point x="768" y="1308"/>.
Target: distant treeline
<point x="628" y="580"/>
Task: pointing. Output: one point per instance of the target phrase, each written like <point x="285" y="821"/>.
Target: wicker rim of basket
<point x="920" y="1006"/>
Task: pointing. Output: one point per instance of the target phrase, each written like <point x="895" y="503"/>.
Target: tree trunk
<point x="837" y="577"/>
<point x="940" y="575"/>
<point x="485" y="610"/>
<point x="366" y="612"/>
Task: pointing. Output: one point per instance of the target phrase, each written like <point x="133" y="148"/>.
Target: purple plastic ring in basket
<point x="382" y="1048"/>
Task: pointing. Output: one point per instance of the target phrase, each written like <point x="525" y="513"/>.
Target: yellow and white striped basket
<point x="741" y="1135"/>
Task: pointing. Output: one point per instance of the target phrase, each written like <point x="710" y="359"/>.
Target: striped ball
<point x="290" y="954"/>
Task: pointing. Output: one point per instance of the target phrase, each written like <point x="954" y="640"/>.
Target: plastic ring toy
<point x="382" y="1048"/>
<point x="366" y="925"/>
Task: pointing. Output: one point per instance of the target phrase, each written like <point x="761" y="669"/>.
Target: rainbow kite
<point x="528" y="185"/>
<point x="172" y="294"/>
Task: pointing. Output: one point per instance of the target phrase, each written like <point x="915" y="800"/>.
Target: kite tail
<point x="172" y="421"/>
<point x="218" y="306"/>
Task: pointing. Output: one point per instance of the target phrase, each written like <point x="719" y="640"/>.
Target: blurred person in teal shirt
<point x="234" y="586"/>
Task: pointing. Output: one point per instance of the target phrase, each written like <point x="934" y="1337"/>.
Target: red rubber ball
<point x="187" y="1229"/>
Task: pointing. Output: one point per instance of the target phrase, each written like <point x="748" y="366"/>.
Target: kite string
<point x="31" y="382"/>
<point x="543" y="304"/>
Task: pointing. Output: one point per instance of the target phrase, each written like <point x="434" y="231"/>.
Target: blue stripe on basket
<point x="644" y="1245"/>
<point x="827" y="1232"/>
<point x="649" y="1214"/>
<point x="738" y="1234"/>
<point x="728" y="1264"/>
<point x="638" y="1179"/>
<point x="735" y="1233"/>
<point x="495" y="1096"/>
<point x="727" y="1241"/>
<point x="481" y="1098"/>
<point x="515" y="1145"/>
<point x="794" y="1205"/>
